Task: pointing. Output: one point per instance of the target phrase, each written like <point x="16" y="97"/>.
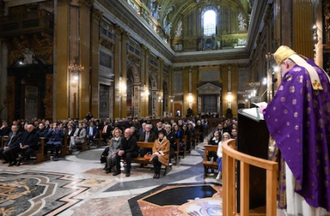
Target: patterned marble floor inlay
<point x="45" y="193"/>
<point x="179" y="199"/>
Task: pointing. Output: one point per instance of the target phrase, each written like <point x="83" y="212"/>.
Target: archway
<point x="26" y="87"/>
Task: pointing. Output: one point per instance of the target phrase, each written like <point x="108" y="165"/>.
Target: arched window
<point x="209" y="18"/>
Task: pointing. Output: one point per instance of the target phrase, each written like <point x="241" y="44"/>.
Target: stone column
<point x="286" y="22"/>
<point x="124" y="41"/>
<point x="117" y="71"/>
<point x="84" y="55"/>
<point x="160" y="87"/>
<point x="144" y="81"/>
<point x="97" y="16"/>
<point x="3" y="78"/>
<point x="62" y="60"/>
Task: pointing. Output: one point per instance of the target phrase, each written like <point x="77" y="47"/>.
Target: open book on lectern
<point x="254" y="111"/>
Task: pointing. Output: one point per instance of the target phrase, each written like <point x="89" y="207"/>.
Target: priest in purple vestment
<point x="298" y="118"/>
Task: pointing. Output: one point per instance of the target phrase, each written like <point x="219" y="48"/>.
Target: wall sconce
<point x="190" y="100"/>
<point x="122" y="85"/>
<point x="160" y="97"/>
<point x="144" y="91"/>
<point x="229" y="97"/>
<point x="75" y="69"/>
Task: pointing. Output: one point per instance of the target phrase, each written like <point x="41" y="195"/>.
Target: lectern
<point x="253" y="139"/>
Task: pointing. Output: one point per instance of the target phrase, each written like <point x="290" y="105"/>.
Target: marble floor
<point x="78" y="185"/>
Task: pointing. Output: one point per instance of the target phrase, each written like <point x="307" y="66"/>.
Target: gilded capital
<point x="97" y="15"/>
<point x="125" y="35"/>
<point x="118" y="30"/>
<point x="86" y="3"/>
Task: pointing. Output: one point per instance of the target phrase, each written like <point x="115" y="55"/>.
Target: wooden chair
<point x="3" y="140"/>
<point x="65" y="147"/>
<point x="177" y="151"/>
<point x="206" y="163"/>
<point x="39" y="154"/>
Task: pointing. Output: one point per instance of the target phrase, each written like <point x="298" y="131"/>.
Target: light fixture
<point x="229" y="97"/>
<point x="264" y="81"/>
<point x="276" y="69"/>
<point x="75" y="67"/>
<point x="190" y="98"/>
<point x="122" y="85"/>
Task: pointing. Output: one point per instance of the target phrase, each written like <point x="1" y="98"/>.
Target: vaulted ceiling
<point x="179" y="8"/>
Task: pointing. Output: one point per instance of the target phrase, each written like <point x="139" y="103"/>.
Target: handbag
<point x="147" y="156"/>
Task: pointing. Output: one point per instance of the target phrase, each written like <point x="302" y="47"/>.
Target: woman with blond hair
<point x="113" y="149"/>
<point x="225" y="136"/>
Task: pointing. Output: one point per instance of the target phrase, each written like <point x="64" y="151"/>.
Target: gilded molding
<point x="135" y="60"/>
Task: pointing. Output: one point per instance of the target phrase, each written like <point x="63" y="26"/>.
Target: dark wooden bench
<point x="3" y="140"/>
<point x="206" y="163"/>
<point x="83" y="146"/>
<point x="183" y="150"/>
<point x="142" y="160"/>
<point x="39" y="154"/>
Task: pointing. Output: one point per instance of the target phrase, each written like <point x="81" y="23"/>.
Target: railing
<point x="40" y="20"/>
<point x="228" y="184"/>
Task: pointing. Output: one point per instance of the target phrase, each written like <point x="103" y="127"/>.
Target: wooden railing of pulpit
<point x="229" y="155"/>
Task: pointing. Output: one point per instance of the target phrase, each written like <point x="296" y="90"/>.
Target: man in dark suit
<point x="54" y="136"/>
<point x="29" y="143"/>
<point x="147" y="136"/>
<point x="128" y="150"/>
<point x="13" y="141"/>
<point x="42" y="130"/>
<point x="91" y="132"/>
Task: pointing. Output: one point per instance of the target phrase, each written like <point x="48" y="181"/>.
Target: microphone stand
<point x="274" y="81"/>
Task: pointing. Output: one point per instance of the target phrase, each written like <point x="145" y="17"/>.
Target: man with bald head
<point x="29" y="143"/>
<point x="128" y="150"/>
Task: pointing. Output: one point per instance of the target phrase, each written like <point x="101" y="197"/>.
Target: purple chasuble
<point x="298" y="118"/>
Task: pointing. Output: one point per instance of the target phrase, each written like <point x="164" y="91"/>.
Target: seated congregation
<point x="160" y="143"/>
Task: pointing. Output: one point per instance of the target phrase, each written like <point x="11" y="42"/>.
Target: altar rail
<point x="229" y="183"/>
